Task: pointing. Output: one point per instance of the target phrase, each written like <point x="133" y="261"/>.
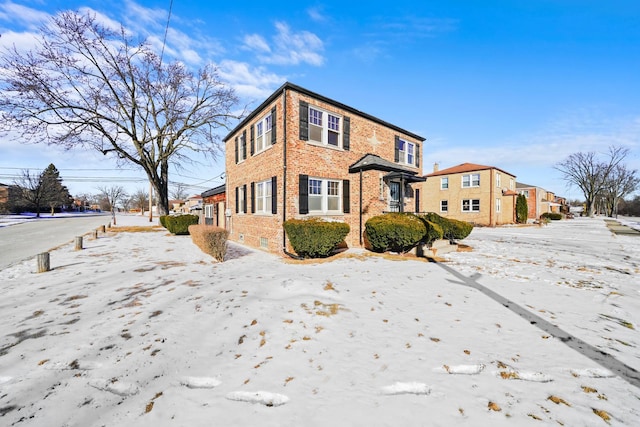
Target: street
<point x="22" y="241"/>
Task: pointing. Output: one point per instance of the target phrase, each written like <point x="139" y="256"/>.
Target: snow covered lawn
<point x="144" y="329"/>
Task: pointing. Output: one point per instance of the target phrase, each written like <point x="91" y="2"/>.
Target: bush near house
<point x="397" y="232"/>
<point x="554" y="216"/>
<point x="315" y="238"/>
<point x="434" y="231"/>
<point x="179" y="224"/>
<point x="452" y="229"/>
<point x="163" y="220"/>
<point x="210" y="239"/>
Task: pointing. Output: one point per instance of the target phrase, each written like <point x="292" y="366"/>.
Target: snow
<point x="531" y="326"/>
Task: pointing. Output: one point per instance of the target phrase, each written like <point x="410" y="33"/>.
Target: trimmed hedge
<point x="397" y="232"/>
<point x="554" y="216"/>
<point x="210" y="239"/>
<point x="179" y="224"/>
<point x="163" y="220"/>
<point x="452" y="229"/>
<point x="315" y="238"/>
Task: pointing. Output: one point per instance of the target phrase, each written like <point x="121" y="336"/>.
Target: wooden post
<point x="78" y="243"/>
<point x="103" y="228"/>
<point x="43" y="262"/>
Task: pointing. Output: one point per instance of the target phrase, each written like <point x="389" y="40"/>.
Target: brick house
<point x="482" y="195"/>
<point x="539" y="200"/>
<point x="303" y="155"/>
<point x="214" y="203"/>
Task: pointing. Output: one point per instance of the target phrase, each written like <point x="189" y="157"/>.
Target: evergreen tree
<point x="522" y="210"/>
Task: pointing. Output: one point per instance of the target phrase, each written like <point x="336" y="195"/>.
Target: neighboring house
<point x="214" y="206"/>
<point x="192" y="205"/>
<point x="4" y="195"/>
<point x="482" y="195"/>
<point x="303" y="155"/>
<point x="539" y="200"/>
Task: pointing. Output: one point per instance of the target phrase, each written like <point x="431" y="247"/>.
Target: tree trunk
<point x="43" y="262"/>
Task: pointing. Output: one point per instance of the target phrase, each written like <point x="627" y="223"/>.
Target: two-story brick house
<point x="539" y="200"/>
<point x="482" y="195"/>
<point x="302" y="155"/>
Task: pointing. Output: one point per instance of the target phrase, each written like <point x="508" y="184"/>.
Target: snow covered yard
<point x="144" y="329"/>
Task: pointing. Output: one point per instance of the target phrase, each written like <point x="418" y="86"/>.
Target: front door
<point x="394" y="197"/>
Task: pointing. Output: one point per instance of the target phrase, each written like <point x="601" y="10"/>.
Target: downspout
<point x="284" y="175"/>
<point x="360" y="209"/>
<point x="491" y="199"/>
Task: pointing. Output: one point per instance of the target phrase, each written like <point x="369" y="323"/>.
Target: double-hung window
<point x="444" y="183"/>
<point x="471" y="180"/>
<point x="471" y="205"/>
<point x="242" y="146"/>
<point x="444" y="206"/>
<point x="325" y="195"/>
<point x="498" y="180"/>
<point x="263" y="133"/>
<point x="263" y="197"/>
<point x="406" y="152"/>
<point x="324" y="127"/>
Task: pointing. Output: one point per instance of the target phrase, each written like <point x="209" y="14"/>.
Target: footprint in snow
<point x="116" y="387"/>
<point x="82" y="365"/>
<point x="200" y="382"/>
<point x="406" y="388"/>
<point x="592" y="373"/>
<point x="537" y="377"/>
<point x="461" y="369"/>
<point x="262" y="397"/>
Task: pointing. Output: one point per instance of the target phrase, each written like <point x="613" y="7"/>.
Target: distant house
<point x="214" y="202"/>
<point x="482" y="195"/>
<point x="540" y="201"/>
<point x="303" y="155"/>
<point x="4" y="194"/>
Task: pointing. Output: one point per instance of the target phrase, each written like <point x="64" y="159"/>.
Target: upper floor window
<point x="525" y="193"/>
<point x="498" y="180"/>
<point x="241" y="147"/>
<point x="511" y="184"/>
<point x="324" y="127"/>
<point x="471" y="180"/>
<point x="444" y="183"/>
<point x="406" y="152"/>
<point x="263" y="133"/>
<point x="471" y="205"/>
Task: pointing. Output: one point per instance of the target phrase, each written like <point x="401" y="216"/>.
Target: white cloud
<point x="289" y="48"/>
<point x="249" y="83"/>
<point x="22" y="15"/>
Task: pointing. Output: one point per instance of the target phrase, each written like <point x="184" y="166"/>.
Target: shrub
<point x="315" y="238"/>
<point x="179" y="224"/>
<point x="522" y="210"/>
<point x="163" y="220"/>
<point x="210" y="239"/>
<point x="397" y="232"/>
<point x="452" y="229"/>
<point x="434" y="231"/>
<point x="554" y="216"/>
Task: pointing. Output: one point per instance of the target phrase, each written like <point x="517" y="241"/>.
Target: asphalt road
<point x="23" y="241"/>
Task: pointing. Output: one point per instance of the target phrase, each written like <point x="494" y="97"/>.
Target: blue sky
<point x="518" y="85"/>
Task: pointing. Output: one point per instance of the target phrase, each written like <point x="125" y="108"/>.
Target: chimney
<point x="436" y="167"/>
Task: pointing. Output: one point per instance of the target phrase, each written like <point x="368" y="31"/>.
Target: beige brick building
<point x="302" y="155"/>
<point x="482" y="195"/>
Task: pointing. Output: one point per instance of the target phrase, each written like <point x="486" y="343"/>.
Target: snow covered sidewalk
<point x="144" y="329"/>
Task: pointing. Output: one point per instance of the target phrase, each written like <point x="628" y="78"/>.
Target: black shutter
<point x="346" y="196"/>
<point x="417" y="191"/>
<point x="417" y="155"/>
<point x="274" y="195"/>
<point x="304" y="121"/>
<point x="396" y="152"/>
<point x="236" y="150"/>
<point x="244" y="202"/>
<point x="303" y="196"/>
<point x="346" y="133"/>
<point x="253" y="142"/>
<point x="273" y="125"/>
<point x="253" y="197"/>
<point x="244" y="144"/>
<point x="237" y="200"/>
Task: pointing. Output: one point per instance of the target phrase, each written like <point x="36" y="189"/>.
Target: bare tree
<point x="89" y="86"/>
<point x="179" y="191"/>
<point x="42" y="189"/>
<point x="113" y="195"/>
<point x="621" y="182"/>
<point x="140" y="199"/>
<point x="589" y="173"/>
